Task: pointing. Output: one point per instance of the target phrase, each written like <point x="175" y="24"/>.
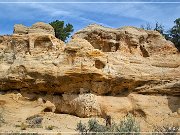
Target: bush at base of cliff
<point x="127" y="126"/>
<point x="166" y="130"/>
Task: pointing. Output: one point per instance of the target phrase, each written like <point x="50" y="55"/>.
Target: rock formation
<point x="39" y="27"/>
<point x="101" y="71"/>
<point x="127" y="40"/>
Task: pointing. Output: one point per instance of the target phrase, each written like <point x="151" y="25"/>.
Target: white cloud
<point x="88" y="13"/>
<point x="148" y="12"/>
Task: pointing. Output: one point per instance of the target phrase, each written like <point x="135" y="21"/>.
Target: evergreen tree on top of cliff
<point x="174" y="33"/>
<point x="62" y="31"/>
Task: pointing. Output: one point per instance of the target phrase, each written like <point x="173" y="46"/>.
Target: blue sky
<point x="81" y="14"/>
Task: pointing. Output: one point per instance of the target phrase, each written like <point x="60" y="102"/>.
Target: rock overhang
<point x="40" y="60"/>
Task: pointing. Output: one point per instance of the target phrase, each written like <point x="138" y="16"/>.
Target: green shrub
<point x="128" y="125"/>
<point x="34" y="121"/>
<point x="125" y="126"/>
<point x="92" y="127"/>
<point x="82" y="128"/>
<point x="166" y="130"/>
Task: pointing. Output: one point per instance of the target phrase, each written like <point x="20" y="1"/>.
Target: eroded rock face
<point x="117" y="72"/>
<point x="127" y="40"/>
<point x="41" y="62"/>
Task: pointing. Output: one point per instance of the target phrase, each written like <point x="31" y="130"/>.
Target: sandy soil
<point x="15" y="111"/>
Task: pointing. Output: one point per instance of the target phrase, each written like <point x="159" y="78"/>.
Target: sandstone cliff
<point x="101" y="71"/>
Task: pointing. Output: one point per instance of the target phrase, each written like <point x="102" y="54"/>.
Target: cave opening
<point x="47" y="110"/>
<point x="99" y="64"/>
<point x="43" y="42"/>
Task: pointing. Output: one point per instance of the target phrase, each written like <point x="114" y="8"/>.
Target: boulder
<point x="20" y="29"/>
<point x="41" y="27"/>
<point x="37" y="28"/>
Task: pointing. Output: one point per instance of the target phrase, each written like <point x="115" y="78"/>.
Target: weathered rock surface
<point x="127" y="40"/>
<point x="38" y="27"/>
<point x="40" y="62"/>
<point x="101" y="71"/>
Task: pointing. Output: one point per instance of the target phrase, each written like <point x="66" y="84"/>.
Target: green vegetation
<point x="127" y="126"/>
<point x="62" y="31"/>
<point x="35" y="121"/>
<point x="124" y="127"/>
<point x="166" y="130"/>
<point x="174" y="33"/>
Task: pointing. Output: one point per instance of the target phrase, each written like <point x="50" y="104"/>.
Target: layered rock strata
<point x="101" y="71"/>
